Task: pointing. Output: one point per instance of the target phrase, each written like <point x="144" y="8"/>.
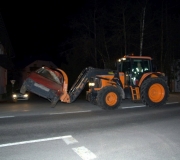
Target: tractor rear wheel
<point x="154" y="92"/>
<point x="109" y="98"/>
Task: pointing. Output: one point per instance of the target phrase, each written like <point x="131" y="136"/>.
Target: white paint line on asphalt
<point x="84" y="153"/>
<point x="26" y="110"/>
<point x="71" y="112"/>
<point x="144" y="105"/>
<point x="7" y="116"/>
<point x="172" y="102"/>
<point x="34" y="141"/>
<point x="69" y="140"/>
<point x="133" y="107"/>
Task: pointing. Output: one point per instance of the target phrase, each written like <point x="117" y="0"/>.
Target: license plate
<point x="42" y="87"/>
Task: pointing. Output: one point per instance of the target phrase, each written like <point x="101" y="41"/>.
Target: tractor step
<point x="135" y="93"/>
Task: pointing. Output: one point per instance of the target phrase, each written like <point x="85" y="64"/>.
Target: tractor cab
<point x="133" y="68"/>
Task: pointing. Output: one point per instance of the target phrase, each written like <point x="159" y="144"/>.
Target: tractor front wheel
<point x="109" y="98"/>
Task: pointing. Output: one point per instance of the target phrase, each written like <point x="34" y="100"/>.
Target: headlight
<point x="14" y="95"/>
<point x="26" y="95"/>
<point x="91" y="84"/>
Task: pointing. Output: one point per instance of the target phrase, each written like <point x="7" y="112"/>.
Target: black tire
<point x="154" y="92"/>
<point x="109" y="98"/>
<point x="23" y="89"/>
<point x="92" y="99"/>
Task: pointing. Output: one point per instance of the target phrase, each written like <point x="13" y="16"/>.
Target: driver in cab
<point x="138" y="69"/>
<point x="136" y="72"/>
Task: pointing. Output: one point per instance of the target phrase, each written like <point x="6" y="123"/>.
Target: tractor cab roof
<point x="134" y="57"/>
<point x="137" y="57"/>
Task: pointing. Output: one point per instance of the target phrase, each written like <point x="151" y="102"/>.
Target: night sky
<point x="36" y="28"/>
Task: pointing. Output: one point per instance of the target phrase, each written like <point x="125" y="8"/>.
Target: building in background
<point x="3" y="72"/>
<point x="175" y="82"/>
<point x="6" y="55"/>
<point x="177" y="76"/>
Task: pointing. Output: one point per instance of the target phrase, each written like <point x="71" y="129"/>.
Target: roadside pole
<point x="13" y="82"/>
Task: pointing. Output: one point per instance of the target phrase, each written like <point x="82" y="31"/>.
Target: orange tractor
<point x="133" y="78"/>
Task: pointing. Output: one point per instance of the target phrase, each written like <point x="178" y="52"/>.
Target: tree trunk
<point x="124" y="31"/>
<point x="95" y="36"/>
<point x="162" y="38"/>
<point x="142" y="31"/>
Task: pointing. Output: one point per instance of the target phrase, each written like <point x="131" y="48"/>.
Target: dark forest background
<point x="78" y="34"/>
<point x="103" y="31"/>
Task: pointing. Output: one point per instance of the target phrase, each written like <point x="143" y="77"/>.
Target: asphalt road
<point x="32" y="130"/>
<point x="37" y="105"/>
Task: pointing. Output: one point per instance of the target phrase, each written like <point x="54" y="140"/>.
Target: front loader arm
<point x="65" y="96"/>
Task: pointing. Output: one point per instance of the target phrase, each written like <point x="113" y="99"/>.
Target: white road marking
<point x="133" y="107"/>
<point x="145" y="105"/>
<point x="26" y="110"/>
<point x="85" y="111"/>
<point x="172" y="102"/>
<point x="71" y="112"/>
<point x="7" y="116"/>
<point x="69" y="140"/>
<point x="34" y="141"/>
<point x="84" y="153"/>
